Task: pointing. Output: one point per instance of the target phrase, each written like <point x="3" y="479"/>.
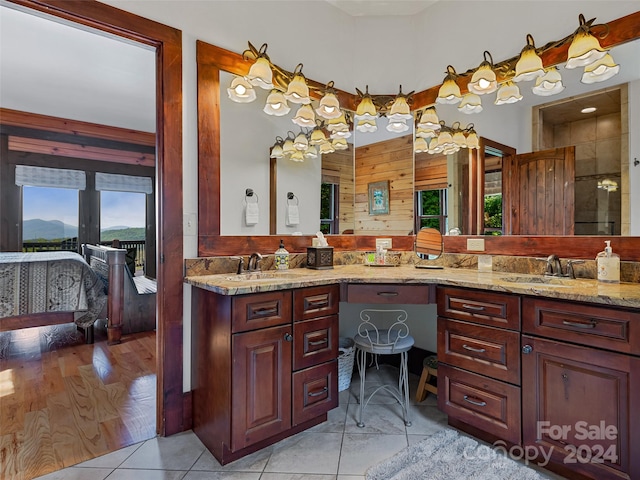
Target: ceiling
<point x="362" y="8"/>
<point x="568" y="110"/>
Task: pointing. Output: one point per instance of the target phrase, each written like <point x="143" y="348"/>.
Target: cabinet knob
<point x="288" y="337"/>
<point x="527" y="349"/>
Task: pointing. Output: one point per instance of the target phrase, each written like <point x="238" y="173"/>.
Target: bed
<point x="49" y="288"/>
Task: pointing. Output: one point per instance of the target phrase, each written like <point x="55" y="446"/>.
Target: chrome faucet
<point x="570" y="271"/>
<point x="240" y="265"/>
<point x="254" y="262"/>
<point x="554" y="267"/>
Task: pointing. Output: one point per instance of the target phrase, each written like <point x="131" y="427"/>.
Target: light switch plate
<point x="475" y="244"/>
<point x="189" y="224"/>
<point x="384" y="243"/>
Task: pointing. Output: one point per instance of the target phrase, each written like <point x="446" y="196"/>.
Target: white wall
<point x="634" y="154"/>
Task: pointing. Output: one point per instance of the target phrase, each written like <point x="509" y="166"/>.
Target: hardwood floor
<point x="63" y="402"/>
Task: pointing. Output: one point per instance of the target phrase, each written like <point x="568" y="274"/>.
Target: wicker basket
<point x="345" y="362"/>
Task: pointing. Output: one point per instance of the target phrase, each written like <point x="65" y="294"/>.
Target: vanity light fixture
<point x="366" y="113"/>
<point x="426" y="132"/>
<point x="276" y="104"/>
<point x="420" y="145"/>
<point x="366" y="125"/>
<point x="287" y="146"/>
<point x="260" y="73"/>
<point x="529" y="65"/>
<point x="449" y="91"/>
<point x="329" y="105"/>
<point x="297" y="156"/>
<point x="305" y="116"/>
<point x="338" y="124"/>
<point x="298" y="90"/>
<point x="508" y="93"/>
<point x="471" y="103"/>
<point x="340" y="144"/>
<point x="400" y="108"/>
<point x="317" y="136"/>
<point x="585" y="48"/>
<point x="600" y="70"/>
<point x="311" y="152"/>
<point x="429" y="119"/>
<point x="484" y="80"/>
<point x="548" y="84"/>
<point x="397" y="126"/>
<point x="241" y="91"/>
<point x="340" y="134"/>
<point x="326" y="147"/>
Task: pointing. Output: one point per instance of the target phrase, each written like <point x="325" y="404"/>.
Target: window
<point x="122" y="216"/>
<point x="431" y="209"/>
<point x="493" y="214"/>
<point x="49" y="215"/>
<point x="329" y="208"/>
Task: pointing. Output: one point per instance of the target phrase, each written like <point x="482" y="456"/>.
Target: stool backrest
<point x="383" y="336"/>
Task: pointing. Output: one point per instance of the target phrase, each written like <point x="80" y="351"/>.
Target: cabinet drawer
<point x="315" y="391"/>
<point x="261" y="310"/>
<point x="315" y="341"/>
<point x="604" y="327"/>
<point x="389" y="294"/>
<point x="490" y="351"/>
<point x="487" y="404"/>
<point x="315" y="302"/>
<point x="495" y="309"/>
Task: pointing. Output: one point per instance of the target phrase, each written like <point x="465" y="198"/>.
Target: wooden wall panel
<point x="340" y="165"/>
<point x="389" y="160"/>
<point x="430" y="172"/>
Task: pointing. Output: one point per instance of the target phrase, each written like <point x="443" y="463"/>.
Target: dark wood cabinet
<point x="257" y="375"/>
<point x="479" y="362"/>
<point x="579" y="402"/>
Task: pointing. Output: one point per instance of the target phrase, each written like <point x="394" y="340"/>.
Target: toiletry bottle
<point x="282" y="257"/>
<point x="608" y="265"/>
<point x="380" y="255"/>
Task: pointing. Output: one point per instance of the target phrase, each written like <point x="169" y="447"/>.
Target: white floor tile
<point x="221" y="476"/>
<point x="306" y="452"/>
<point x="73" y="473"/>
<point x="178" y="452"/>
<point x="138" y="474"/>
<point x="113" y="459"/>
<point x="360" y="451"/>
<point x="254" y="462"/>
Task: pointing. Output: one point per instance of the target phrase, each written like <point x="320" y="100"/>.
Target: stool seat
<point x="387" y="342"/>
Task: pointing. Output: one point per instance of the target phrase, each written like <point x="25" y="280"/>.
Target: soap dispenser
<point x="608" y="265"/>
<point x="282" y="257"/>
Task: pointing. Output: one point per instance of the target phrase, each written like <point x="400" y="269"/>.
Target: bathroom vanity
<point x="519" y="359"/>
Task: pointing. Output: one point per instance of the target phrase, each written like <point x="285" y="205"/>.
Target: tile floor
<point x="336" y="449"/>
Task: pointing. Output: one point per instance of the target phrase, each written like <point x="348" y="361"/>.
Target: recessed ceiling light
<point x="588" y="110"/>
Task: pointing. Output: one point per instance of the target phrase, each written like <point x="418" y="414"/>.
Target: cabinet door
<point x="261" y="385"/>
<point x="581" y="404"/>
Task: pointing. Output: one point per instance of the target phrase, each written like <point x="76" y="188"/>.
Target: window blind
<point x="123" y="183"/>
<point x="50" y="177"/>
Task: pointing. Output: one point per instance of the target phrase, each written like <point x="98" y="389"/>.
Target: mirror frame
<point x="211" y="59"/>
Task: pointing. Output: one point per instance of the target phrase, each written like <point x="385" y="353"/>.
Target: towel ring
<point x="249" y="193"/>
<point x="291" y="196"/>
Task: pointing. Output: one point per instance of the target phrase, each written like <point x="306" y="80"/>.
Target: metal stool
<point x="387" y="341"/>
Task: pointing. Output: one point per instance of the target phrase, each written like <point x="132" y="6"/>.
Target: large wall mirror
<point x="524" y="127"/>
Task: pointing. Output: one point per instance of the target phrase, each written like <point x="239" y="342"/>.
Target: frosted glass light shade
<point x="366" y="109"/>
<point x="445" y="139"/>
<point x="460" y="140"/>
<point x="420" y="145"/>
<point x="276" y="151"/>
<point x="508" y="93"/>
<point x="305" y="116"/>
<point x="298" y="91"/>
<point x="311" y="152"/>
<point x="426" y="132"/>
<point x="471" y="103"/>
<point x="329" y="107"/>
<point x="340" y="134"/>
<point x="399" y="110"/>
<point x="276" y="104"/>
<point x="339" y="123"/>
<point x="326" y="147"/>
<point x="584" y="50"/>
<point x="287" y="147"/>
<point x="433" y="146"/>
<point x="260" y="74"/>
<point x="449" y="92"/>
<point x="429" y="120"/>
<point x="600" y="70"/>
<point x="297" y="156"/>
<point x="366" y="125"/>
<point x="549" y="84"/>
<point x="397" y="126"/>
<point x="483" y="80"/>
<point x="340" y="144"/>
<point x="472" y="140"/>
<point x="317" y="137"/>
<point x="241" y="91"/>
<point x="529" y="65"/>
<point x="301" y="142"/>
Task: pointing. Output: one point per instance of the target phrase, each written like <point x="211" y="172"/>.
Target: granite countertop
<point x="582" y="290"/>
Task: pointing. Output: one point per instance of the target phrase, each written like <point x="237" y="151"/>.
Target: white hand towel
<point x="293" y="215"/>
<point x="251" y="213"/>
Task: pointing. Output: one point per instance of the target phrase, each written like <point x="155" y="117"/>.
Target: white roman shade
<point x="50" y="177"/>
<point x="123" y="183"/>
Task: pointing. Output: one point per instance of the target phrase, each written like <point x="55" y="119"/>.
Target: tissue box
<point x="320" y="258"/>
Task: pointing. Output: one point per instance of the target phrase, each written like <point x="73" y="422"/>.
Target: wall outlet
<point x="189" y="224"/>
<point x="475" y="244"/>
<point x="384" y="243"/>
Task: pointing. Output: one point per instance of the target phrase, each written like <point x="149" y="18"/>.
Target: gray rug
<point x="447" y="455"/>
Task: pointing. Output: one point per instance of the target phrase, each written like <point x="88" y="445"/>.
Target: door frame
<point x="171" y="416"/>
